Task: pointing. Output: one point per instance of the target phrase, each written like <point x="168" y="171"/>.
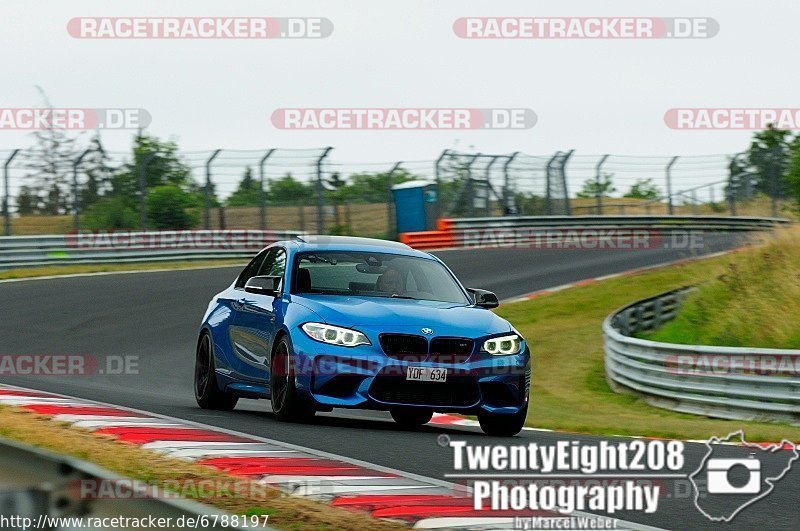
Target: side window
<point x="274" y="264"/>
<point x="251" y="269"/>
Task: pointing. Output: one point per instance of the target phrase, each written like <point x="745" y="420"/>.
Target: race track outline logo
<point x="718" y="481"/>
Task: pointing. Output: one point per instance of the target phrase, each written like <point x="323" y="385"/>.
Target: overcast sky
<point x="596" y="96"/>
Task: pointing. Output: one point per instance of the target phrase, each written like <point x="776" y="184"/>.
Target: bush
<point x="168" y="208"/>
<point x="110" y="213"/>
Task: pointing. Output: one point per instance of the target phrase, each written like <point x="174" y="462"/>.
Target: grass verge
<point x="55" y="270"/>
<point x="284" y="512"/>
<point x="569" y="391"/>
<point x="754" y="302"/>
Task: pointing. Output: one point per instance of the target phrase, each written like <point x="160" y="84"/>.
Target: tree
<point x="288" y="190"/>
<point x="168" y="208"/>
<point x="793" y="173"/>
<point x="27" y="201"/>
<point x="163" y="167"/>
<point x="97" y="171"/>
<point x="644" y="189"/>
<point x="769" y="156"/>
<point x="49" y="164"/>
<point x="248" y="192"/>
<point x="593" y="188"/>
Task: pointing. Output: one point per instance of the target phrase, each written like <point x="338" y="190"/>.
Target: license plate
<point x="426" y="374"/>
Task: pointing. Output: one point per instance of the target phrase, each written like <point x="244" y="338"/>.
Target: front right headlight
<point x="335" y="335"/>
<point x="503" y="346"/>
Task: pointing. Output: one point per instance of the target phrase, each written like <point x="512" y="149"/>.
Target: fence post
<point x="76" y="197"/>
<point x="669" y="184"/>
<point x="207" y="194"/>
<point x="262" y="198"/>
<point x="567" y="203"/>
<point x="391" y="226"/>
<point x="489" y="187"/>
<point x="597" y="176"/>
<point x="548" y="204"/>
<point x="7" y="193"/>
<point x="506" y="187"/>
<point x="469" y="186"/>
<point x="143" y="189"/>
<point x="320" y="191"/>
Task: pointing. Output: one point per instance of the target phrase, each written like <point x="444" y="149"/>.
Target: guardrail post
<point x="391" y="226"/>
<point x="320" y="193"/>
<point x="669" y="185"/>
<point x="7" y="193"/>
<point x="143" y="189"/>
<point x="597" y="177"/>
<point x="207" y="194"/>
<point x="76" y="196"/>
<point x="262" y="198"/>
<point x="506" y="187"/>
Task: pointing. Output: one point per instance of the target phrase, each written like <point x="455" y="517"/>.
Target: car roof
<point x="351" y="243"/>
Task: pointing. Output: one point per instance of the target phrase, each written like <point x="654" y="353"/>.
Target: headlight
<point x="335" y="335"/>
<point x="503" y="346"/>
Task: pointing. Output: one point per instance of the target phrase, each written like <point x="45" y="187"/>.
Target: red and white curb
<point x="417" y="501"/>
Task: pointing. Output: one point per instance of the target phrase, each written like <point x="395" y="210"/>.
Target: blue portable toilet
<point x="416" y="206"/>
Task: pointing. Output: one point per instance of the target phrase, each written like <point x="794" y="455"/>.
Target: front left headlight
<point x="335" y="335"/>
<point x="503" y="346"/>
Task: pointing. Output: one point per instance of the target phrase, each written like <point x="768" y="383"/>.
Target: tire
<point x="503" y="425"/>
<point x="206" y="390"/>
<point x="411" y="418"/>
<point x="287" y="405"/>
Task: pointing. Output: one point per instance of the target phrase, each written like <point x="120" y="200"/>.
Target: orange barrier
<point x="431" y="239"/>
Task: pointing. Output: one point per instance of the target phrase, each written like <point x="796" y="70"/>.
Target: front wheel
<point x="503" y="425"/>
<point x="286" y="403"/>
<point x="411" y="418"/>
<point x="206" y="390"/>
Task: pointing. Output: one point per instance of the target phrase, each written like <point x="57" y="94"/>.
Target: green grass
<point x="754" y="302"/>
<point x="569" y="391"/>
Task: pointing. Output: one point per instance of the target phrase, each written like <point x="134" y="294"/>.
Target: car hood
<point x="402" y="314"/>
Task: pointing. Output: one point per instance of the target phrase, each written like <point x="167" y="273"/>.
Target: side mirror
<point x="264" y="285"/>
<point x="483" y="298"/>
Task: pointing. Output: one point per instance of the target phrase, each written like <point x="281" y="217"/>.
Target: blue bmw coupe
<point x="329" y="322"/>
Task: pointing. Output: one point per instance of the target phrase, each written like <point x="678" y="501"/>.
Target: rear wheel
<point x="503" y="425"/>
<point x="411" y="418"/>
<point x="286" y="403"/>
<point x="206" y="390"/>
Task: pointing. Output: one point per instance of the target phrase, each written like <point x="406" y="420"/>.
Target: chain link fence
<point x="310" y="190"/>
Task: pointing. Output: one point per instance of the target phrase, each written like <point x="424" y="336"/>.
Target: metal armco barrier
<point x="726" y="382"/>
<point x="530" y="230"/>
<point x="35" y="484"/>
<point x="126" y="246"/>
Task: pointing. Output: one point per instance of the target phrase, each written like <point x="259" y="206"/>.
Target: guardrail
<point x="525" y="230"/>
<point x="36" y="484"/>
<point x="124" y="246"/>
<point x="726" y="382"/>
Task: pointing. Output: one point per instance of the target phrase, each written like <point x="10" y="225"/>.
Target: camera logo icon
<point x="735" y="474"/>
<point x="719" y="471"/>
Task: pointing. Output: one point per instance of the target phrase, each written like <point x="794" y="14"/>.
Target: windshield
<point x="375" y="275"/>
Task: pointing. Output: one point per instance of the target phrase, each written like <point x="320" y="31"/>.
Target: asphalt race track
<point x="155" y="316"/>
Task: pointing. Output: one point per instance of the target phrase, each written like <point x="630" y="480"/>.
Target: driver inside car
<point x="390" y="282"/>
